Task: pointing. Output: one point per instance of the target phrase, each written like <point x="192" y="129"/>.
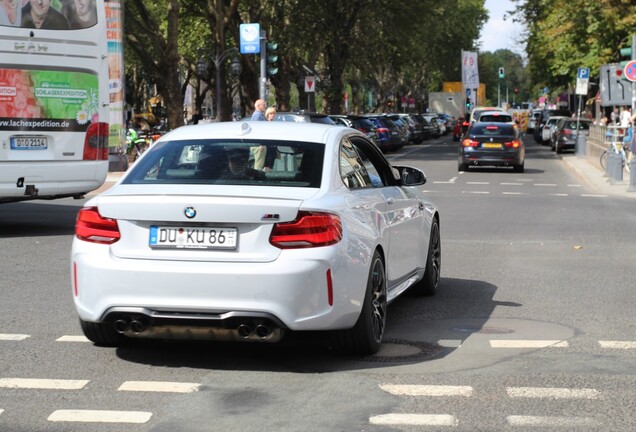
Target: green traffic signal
<point x="626" y="53"/>
<point x="272" y="58"/>
<point x="272" y="46"/>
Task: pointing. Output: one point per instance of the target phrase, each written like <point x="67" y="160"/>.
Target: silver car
<point x="193" y="242"/>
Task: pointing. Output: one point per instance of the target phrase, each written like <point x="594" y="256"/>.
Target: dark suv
<point x="363" y="124"/>
<point x="304" y="117"/>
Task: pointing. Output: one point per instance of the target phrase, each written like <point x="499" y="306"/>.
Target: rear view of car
<point x="566" y="131"/>
<point x="492" y="144"/>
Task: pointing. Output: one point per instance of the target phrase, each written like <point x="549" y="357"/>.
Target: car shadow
<point x="37" y="218"/>
<point x="412" y="336"/>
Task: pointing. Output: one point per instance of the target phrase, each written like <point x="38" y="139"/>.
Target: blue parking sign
<point x="584" y="73"/>
<point x="250" y="38"/>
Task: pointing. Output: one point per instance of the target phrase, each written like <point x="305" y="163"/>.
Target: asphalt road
<point x="532" y="329"/>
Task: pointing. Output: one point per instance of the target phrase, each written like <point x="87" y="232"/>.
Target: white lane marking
<point x="453" y="180"/>
<point x="158" y="386"/>
<point x="48" y="384"/>
<point x="13" y="337"/>
<point x="552" y="393"/>
<point x="99" y="416"/>
<point x="550" y="421"/>
<point x="71" y="338"/>
<point x="524" y="180"/>
<point x="574" y="185"/>
<point x="475" y="192"/>
<point x="594" y="195"/>
<point x="513" y="193"/>
<point x="545" y="184"/>
<point x="1" y="411"/>
<point x="414" y="419"/>
<point x="427" y="390"/>
<point x="477" y="183"/>
<point x="558" y="194"/>
<point x="494" y="343"/>
<point x="618" y="344"/>
<point x="511" y="184"/>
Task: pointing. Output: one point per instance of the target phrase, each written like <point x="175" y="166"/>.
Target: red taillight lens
<point x="92" y="227"/>
<point x="383" y="130"/>
<point x="567" y="132"/>
<point x="96" y="142"/>
<point x="469" y="143"/>
<point x="513" y="144"/>
<point x="310" y="229"/>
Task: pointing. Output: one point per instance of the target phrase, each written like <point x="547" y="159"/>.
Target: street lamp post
<point x="218" y="61"/>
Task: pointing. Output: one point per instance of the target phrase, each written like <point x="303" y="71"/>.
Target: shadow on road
<point x="38" y="218"/>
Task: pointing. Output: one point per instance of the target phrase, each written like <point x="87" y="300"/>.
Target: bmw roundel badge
<point x="190" y="212"/>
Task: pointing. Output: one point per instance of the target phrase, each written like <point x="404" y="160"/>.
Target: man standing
<point x="259" y="110"/>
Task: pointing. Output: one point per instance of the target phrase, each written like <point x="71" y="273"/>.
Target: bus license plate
<point x="29" y="143"/>
<point x="193" y="237"/>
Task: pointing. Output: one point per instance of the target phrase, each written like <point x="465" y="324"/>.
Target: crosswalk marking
<point x="13" y="337"/>
<point x="46" y="384"/>
<point x="545" y="184"/>
<point x="158" y="386"/>
<point x="476" y="192"/>
<point x="550" y="421"/>
<point x="552" y="393"/>
<point x="414" y="419"/>
<point x="510" y="184"/>
<point x="528" y="344"/>
<point x="70" y="338"/>
<point x="99" y="416"/>
<point x="427" y="390"/>
<point x="618" y="344"/>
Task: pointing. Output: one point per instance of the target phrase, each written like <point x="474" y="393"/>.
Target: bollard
<point x="632" y="175"/>
<point x="618" y="168"/>
<point x="613" y="162"/>
<point x="581" y="144"/>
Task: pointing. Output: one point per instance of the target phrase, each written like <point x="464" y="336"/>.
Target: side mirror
<point x="410" y="176"/>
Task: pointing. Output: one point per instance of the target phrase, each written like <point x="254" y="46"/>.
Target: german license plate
<point x="492" y="145"/>
<point x="29" y="143"/>
<point x="193" y="237"/>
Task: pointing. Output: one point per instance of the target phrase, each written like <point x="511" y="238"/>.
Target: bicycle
<point x="622" y="148"/>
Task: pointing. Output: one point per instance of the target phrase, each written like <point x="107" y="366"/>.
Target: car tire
<point x="462" y="167"/>
<point x="519" y="168"/>
<point x="427" y="286"/>
<point x="102" y="334"/>
<point x="365" y="337"/>
<point x="557" y="148"/>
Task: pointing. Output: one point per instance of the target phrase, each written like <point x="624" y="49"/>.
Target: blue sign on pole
<point x="467" y="92"/>
<point x="249" y="38"/>
<point x="584" y="73"/>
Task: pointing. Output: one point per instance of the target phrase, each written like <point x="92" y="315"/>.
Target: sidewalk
<point x="593" y="175"/>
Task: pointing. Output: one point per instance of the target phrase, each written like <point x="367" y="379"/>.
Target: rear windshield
<point x="501" y="118"/>
<point x="231" y="162"/>
<point x="491" y="130"/>
<point x="571" y="124"/>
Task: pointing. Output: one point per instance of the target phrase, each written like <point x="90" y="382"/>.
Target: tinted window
<point x="501" y="118"/>
<point x="490" y="130"/>
<point x="229" y="162"/>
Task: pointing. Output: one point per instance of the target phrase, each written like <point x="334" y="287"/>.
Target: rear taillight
<point x="513" y="144"/>
<point x="310" y="229"/>
<point x="92" y="227"/>
<point x="96" y="142"/>
<point x="469" y="143"/>
<point x="383" y="130"/>
<point x="567" y="132"/>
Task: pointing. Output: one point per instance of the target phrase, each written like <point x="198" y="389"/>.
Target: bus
<point x="61" y="96"/>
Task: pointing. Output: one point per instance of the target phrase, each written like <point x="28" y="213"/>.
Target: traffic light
<point x="272" y="58"/>
<point x="501" y="73"/>
<point x="468" y="106"/>
<point x="628" y="53"/>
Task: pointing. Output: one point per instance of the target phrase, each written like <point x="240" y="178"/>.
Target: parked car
<point x="547" y="129"/>
<point x="476" y="112"/>
<point x="447" y="121"/>
<point x="565" y="132"/>
<point x="437" y="129"/>
<point x="360" y="123"/>
<point x="533" y="119"/>
<point x="192" y="243"/>
<point x="304" y="117"/>
<point x="403" y="128"/>
<point x="416" y="133"/>
<point x="428" y="128"/>
<point x="492" y="144"/>
<point x="543" y="117"/>
<point x="460" y="128"/>
<point x="388" y="132"/>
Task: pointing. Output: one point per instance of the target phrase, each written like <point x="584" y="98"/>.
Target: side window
<point x="352" y="170"/>
<point x="372" y="170"/>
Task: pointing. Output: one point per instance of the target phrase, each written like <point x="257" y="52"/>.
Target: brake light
<point x="567" y="132"/>
<point x="492" y="127"/>
<point x="383" y="130"/>
<point x="310" y="229"/>
<point x="96" y="142"/>
<point x="513" y="144"/>
<point x="469" y="143"/>
<point x="92" y="227"/>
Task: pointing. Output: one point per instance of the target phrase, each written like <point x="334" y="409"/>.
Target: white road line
<point x="70" y="338"/>
<point x="524" y="180"/>
<point x="618" y="344"/>
<point x="443" y="182"/>
<point x="158" y="386"/>
<point x="453" y="180"/>
<point x="513" y="193"/>
<point x="1" y="411"/>
<point x="545" y="184"/>
<point x="511" y="184"/>
<point x="477" y="183"/>
<point x="551" y="393"/>
<point x="48" y="384"/>
<point x="494" y="343"/>
<point x="427" y="390"/>
<point x="594" y="195"/>
<point x="476" y="192"/>
<point x="558" y="194"/>
<point x="13" y="337"/>
<point x="414" y="419"/>
<point x="574" y="185"/>
<point x="99" y="416"/>
<point x="550" y="421"/>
